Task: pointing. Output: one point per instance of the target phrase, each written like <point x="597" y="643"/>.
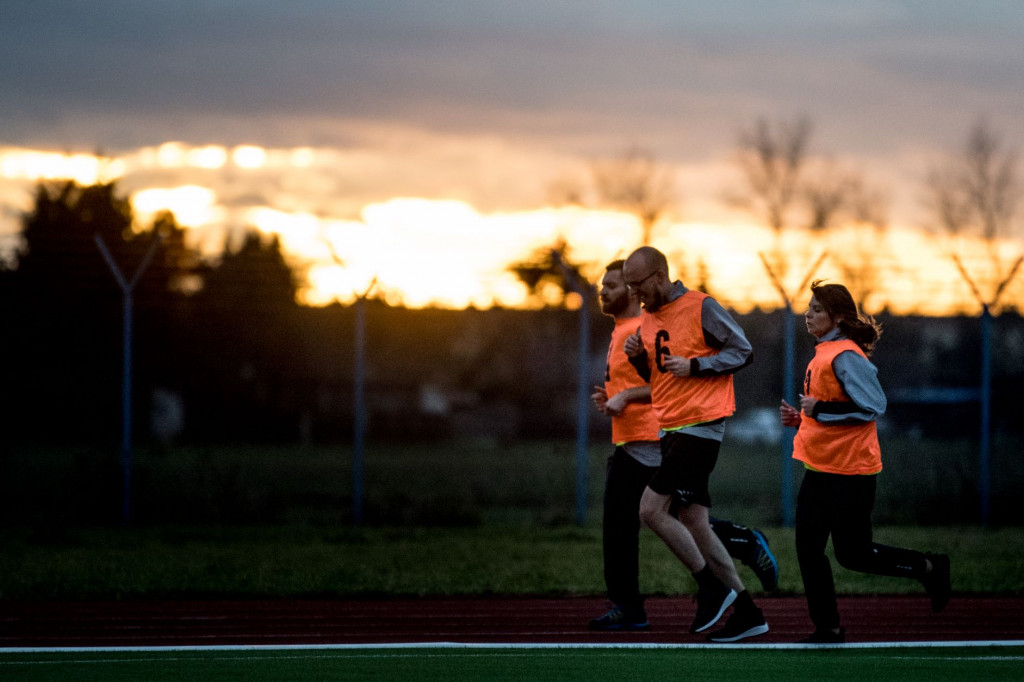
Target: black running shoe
<point x="936" y="583"/>
<point x="824" y="637"/>
<point x="763" y="563"/>
<point x="711" y="604"/>
<point x="621" y="619"/>
<point x="741" y="624"/>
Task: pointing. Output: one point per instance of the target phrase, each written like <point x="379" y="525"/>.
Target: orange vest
<point x="848" y="449"/>
<point x="675" y="329"/>
<point x="637" y="421"/>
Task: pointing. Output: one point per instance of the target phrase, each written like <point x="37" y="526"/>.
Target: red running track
<point x="473" y="620"/>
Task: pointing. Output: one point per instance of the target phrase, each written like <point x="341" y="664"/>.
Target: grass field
<point x="303" y="561"/>
<point x="457" y="483"/>
<point x="522" y="663"/>
<point x="442" y="518"/>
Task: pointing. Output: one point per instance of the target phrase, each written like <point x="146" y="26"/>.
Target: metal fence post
<point x="127" y="289"/>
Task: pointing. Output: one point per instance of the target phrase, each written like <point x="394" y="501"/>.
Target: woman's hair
<point x="839" y="304"/>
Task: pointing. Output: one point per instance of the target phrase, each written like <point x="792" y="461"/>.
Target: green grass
<point x="456" y="483"/>
<point x="304" y="561"/>
<point x="453" y="483"/>
<point x="441" y="518"/>
<point x="541" y="665"/>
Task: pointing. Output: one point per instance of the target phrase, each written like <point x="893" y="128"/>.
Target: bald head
<point x="646" y="274"/>
<point x="649" y="258"/>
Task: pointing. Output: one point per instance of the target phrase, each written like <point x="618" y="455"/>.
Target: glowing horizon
<point x="420" y="252"/>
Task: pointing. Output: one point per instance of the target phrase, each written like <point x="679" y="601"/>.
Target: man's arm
<point x="724" y="334"/>
<point x="615" y="404"/>
<point x="637" y="354"/>
<point x="640" y="364"/>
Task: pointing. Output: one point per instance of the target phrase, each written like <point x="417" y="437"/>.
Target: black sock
<point x="744" y="602"/>
<point x="706" y="578"/>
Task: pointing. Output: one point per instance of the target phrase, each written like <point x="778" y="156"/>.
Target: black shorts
<point x="686" y="465"/>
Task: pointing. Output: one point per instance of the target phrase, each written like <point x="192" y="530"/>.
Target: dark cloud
<point x="570" y="72"/>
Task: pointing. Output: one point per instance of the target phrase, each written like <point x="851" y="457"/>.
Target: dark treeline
<point x="222" y="351"/>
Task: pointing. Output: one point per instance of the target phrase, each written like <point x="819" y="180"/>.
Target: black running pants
<point x="840" y="506"/>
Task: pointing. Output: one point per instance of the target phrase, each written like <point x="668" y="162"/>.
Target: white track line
<point x="508" y="645"/>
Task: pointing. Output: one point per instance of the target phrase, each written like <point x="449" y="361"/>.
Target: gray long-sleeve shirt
<point x="859" y="380"/>
<point x="722" y="333"/>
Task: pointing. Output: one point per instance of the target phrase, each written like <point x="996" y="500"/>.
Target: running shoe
<point x="711" y="604"/>
<point x="824" y="637"/>
<point x="936" y="583"/>
<point x="619" y="618"/>
<point x="741" y="624"/>
<point x="764" y="563"/>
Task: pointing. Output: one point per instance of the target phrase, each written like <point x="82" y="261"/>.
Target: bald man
<point x="687" y="347"/>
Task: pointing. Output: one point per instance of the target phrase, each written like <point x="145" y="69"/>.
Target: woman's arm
<point x="859" y="379"/>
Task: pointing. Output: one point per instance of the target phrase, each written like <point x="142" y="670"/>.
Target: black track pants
<point x="840" y="506"/>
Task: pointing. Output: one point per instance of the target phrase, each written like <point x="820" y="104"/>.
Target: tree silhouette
<point x="828" y="194"/>
<point x="786" y="188"/>
<point x="63" y="309"/>
<point x="550" y="274"/>
<point x="636" y="183"/>
<point x="977" y="193"/>
<point x="867" y="210"/>
<point x="58" y="261"/>
<point x="633" y="182"/>
<point x="245" y="348"/>
<point x="772" y="158"/>
<point x="253" y="279"/>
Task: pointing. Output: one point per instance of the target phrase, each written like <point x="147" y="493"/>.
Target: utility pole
<point x="127" y="290"/>
<point x="359" y="406"/>
<point x="985" y="392"/>
<point x="788" y="381"/>
<point x="359" y="411"/>
<point x="586" y="292"/>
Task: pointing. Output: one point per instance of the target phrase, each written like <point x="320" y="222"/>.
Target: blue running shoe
<point x="763" y="563"/>
<point x="622" y="619"/>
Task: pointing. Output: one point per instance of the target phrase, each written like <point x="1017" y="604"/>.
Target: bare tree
<point x="567" y="190"/>
<point x="868" y="210"/>
<point x="990" y="179"/>
<point x="977" y="192"/>
<point x="869" y="206"/>
<point x="787" y="188"/>
<point x="636" y="183"/>
<point x="828" y="194"/>
<point x="772" y="157"/>
<point x="834" y="197"/>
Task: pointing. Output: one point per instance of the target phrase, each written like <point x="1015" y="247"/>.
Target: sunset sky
<point x="414" y="138"/>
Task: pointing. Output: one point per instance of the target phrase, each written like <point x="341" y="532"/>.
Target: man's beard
<point x="615" y="306"/>
<point x="653" y="302"/>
